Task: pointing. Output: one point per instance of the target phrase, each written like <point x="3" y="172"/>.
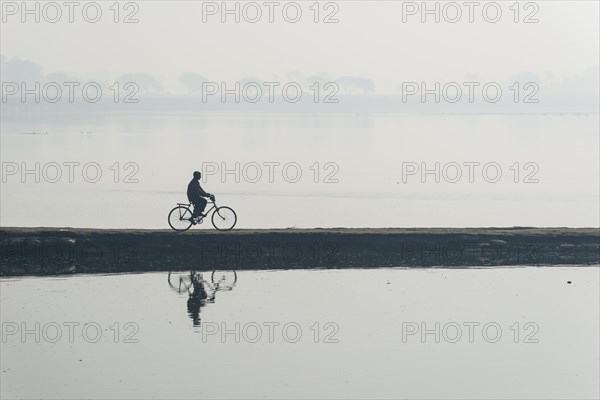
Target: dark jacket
<point x="194" y="191"/>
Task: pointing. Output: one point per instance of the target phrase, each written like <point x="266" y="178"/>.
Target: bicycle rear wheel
<point x="179" y="281"/>
<point x="179" y="218"/>
<point x="224" y="218"/>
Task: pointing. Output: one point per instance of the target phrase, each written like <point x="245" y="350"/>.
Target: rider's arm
<point x="203" y="193"/>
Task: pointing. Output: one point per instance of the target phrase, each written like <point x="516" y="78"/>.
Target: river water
<point x="303" y="170"/>
<point x="387" y="333"/>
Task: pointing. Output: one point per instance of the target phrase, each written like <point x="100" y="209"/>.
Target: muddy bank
<point x="49" y="251"/>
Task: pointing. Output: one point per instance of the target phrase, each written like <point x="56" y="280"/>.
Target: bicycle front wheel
<point x="224" y="280"/>
<point x="179" y="218"/>
<point x="224" y="218"/>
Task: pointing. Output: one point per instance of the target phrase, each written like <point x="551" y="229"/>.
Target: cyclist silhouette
<point x="196" y="195"/>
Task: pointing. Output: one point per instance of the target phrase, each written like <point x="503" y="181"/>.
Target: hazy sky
<point x="369" y="41"/>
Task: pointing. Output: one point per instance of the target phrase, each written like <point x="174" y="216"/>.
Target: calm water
<point x="348" y="171"/>
<point x="317" y="334"/>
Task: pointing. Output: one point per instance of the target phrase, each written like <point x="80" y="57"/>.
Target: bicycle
<point x="221" y="281"/>
<point x="223" y="218"/>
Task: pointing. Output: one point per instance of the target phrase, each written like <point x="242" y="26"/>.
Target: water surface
<point x="342" y="333"/>
<point x="350" y="169"/>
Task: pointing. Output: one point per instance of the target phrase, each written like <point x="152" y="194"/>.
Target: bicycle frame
<point x="189" y="205"/>
<point x="213" y="207"/>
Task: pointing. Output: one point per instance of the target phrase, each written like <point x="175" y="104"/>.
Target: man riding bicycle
<point x="196" y="195"/>
<point x="183" y="217"/>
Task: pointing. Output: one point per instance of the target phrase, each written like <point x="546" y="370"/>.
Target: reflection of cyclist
<point x="197" y="298"/>
<point x="201" y="292"/>
<point x="196" y="195"/>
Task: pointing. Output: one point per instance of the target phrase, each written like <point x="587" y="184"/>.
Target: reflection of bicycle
<point x="223" y="218"/>
<point x="202" y="292"/>
<point x="220" y="280"/>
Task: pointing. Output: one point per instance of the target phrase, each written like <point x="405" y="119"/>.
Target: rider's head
<point x="197" y="175"/>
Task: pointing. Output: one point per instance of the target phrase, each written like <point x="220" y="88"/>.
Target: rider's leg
<point x="199" y="206"/>
<point x="195" y="212"/>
